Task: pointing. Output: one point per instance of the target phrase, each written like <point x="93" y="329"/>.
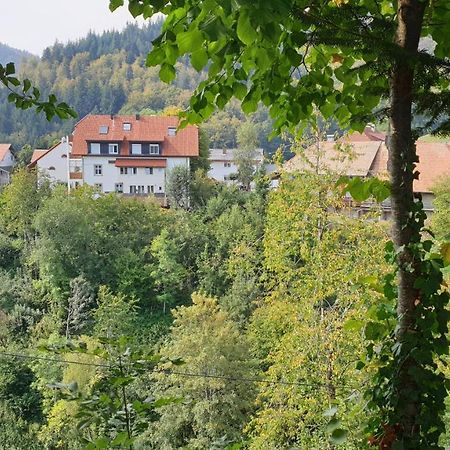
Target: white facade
<point x="54" y="165"/>
<point x="102" y="172"/>
<point x="7" y="163"/>
<point x="8" y="160"/>
<point x="222" y="165"/>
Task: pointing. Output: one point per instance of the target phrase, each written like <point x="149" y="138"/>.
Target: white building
<point x="7" y="162"/>
<point x="53" y="164"/>
<point x="129" y="154"/>
<point x="222" y="165"/>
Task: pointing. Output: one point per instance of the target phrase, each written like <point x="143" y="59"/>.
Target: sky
<point x="33" y="25"/>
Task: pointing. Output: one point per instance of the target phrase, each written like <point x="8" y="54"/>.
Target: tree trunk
<point x="402" y="158"/>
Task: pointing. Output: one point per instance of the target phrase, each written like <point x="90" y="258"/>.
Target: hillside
<point x="106" y="74"/>
<point x="10" y="54"/>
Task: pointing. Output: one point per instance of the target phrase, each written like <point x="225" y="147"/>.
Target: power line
<point x="173" y="372"/>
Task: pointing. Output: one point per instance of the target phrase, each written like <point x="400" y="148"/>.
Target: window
<point x="114" y="149"/>
<point x="133" y="170"/>
<point x="154" y="149"/>
<point x="171" y="131"/>
<point x="160" y="188"/>
<point x="149" y="171"/>
<point x="51" y="168"/>
<point x="126" y="126"/>
<point x="103" y="129"/>
<point x="136" y="149"/>
<point x="226" y="164"/>
<point x="124" y="171"/>
<point x="150" y="189"/>
<point x="95" y="148"/>
<point x="98" y="169"/>
<point x="98" y="186"/>
<point x="137" y="189"/>
<point x="119" y="188"/>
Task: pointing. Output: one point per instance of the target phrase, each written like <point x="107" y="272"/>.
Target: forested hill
<point x="10" y="54"/>
<point x="106" y="74"/>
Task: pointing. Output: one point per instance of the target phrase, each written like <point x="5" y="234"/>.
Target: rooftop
<point x="121" y="129"/>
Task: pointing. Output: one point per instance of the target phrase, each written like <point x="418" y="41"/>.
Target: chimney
<point x="138" y="116"/>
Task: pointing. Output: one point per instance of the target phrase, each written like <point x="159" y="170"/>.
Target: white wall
<point x="218" y="171"/>
<point x="111" y="174"/>
<point x="8" y="160"/>
<point x="53" y="164"/>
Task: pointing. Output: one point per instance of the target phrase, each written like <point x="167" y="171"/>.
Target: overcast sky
<point x="35" y="24"/>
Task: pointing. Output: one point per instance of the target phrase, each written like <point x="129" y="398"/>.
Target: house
<point x="7" y="162"/>
<point x="129" y="154"/>
<point x="52" y="163"/>
<point x="368" y="158"/>
<point x="222" y="164"/>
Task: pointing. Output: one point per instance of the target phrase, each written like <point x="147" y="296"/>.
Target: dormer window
<point x="154" y="149"/>
<point x="126" y="126"/>
<point x="103" y="129"/>
<point x="136" y="149"/>
<point x="113" y="149"/>
<point x="171" y="131"/>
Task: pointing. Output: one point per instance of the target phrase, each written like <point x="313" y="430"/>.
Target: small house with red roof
<point x="7" y="162"/>
<point x="130" y="154"/>
<point x="53" y="163"/>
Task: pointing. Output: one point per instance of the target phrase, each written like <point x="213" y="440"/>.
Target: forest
<point x="239" y="323"/>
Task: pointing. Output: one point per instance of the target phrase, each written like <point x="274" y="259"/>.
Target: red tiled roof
<point x="434" y="162"/>
<point x="372" y="160"/>
<point x="359" y="162"/>
<point x="144" y="129"/>
<point x="139" y="162"/>
<point x="368" y="135"/>
<point x="37" y="154"/>
<point x="3" y="150"/>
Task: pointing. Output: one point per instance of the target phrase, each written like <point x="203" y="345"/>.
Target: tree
<point x="202" y="162"/>
<point x="213" y="408"/>
<point x="78" y="306"/>
<point x="178" y="185"/>
<point x="313" y="257"/>
<point x="341" y="57"/>
<point x="245" y="154"/>
<point x="19" y="203"/>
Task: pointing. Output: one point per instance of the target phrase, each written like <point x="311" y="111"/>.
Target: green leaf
<point x="120" y="439"/>
<point x="135" y="8"/>
<point x="167" y="73"/>
<point x="199" y="59"/>
<point x="101" y="442"/>
<point x="339" y="436"/>
<point x="114" y="4"/>
<point x="353" y="325"/>
<point x="10" y="68"/>
<point x="333" y="424"/>
<point x="246" y="33"/>
<point x="374" y="331"/>
<point x="190" y="41"/>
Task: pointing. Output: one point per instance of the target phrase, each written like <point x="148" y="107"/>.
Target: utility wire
<point x="171" y="372"/>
